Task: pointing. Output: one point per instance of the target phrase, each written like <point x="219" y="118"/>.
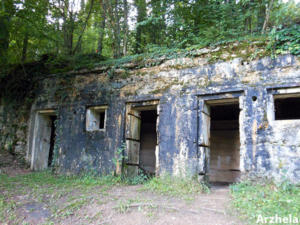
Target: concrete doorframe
<point x="224" y="98"/>
<point x="41" y="139"/>
<point x="131" y="108"/>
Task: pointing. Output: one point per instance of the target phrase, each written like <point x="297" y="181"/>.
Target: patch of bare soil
<point x="10" y="165"/>
<point x="128" y="205"/>
<point x="13" y="171"/>
<point x="121" y="204"/>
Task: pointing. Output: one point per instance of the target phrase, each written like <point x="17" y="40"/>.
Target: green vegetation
<point x="114" y="28"/>
<point x="266" y="199"/>
<point x="65" y="196"/>
<point x="39" y="38"/>
<point x="285" y="40"/>
<point x="46" y="188"/>
<point x="181" y="187"/>
<point x="141" y="178"/>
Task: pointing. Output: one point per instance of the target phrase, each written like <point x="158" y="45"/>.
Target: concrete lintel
<point x="48" y="112"/>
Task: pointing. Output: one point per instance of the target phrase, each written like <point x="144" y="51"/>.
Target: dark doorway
<point x="224" y="143"/>
<point x="148" y="141"/>
<point x="52" y="140"/>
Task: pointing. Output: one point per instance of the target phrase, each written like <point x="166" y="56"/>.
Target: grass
<point x="185" y="188"/>
<point x="49" y="189"/>
<point x="267" y="200"/>
<point x="66" y="196"/>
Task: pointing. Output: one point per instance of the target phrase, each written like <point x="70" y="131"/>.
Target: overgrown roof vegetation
<point x="114" y="29"/>
<point x="278" y="41"/>
<point x="39" y="38"/>
<point x="19" y="79"/>
<point x="284" y="41"/>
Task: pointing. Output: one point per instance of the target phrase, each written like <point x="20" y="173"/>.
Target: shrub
<point x="285" y="40"/>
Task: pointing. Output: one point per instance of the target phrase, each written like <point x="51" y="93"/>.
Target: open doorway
<point x="224" y="143"/>
<point x="43" y="140"/>
<point x="141" y="138"/>
<point x="148" y="141"/>
<point x="52" y="139"/>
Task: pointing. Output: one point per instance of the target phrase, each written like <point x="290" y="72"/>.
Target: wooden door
<point x="133" y="130"/>
<point x="42" y="142"/>
<point x="203" y="140"/>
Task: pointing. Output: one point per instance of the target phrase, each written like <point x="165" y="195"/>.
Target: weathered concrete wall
<point x="267" y="148"/>
<point x="13" y="129"/>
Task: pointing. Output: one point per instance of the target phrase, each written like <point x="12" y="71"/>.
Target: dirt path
<point x="33" y="202"/>
<point x="128" y="205"/>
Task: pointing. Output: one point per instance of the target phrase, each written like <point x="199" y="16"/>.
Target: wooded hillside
<point x="118" y="28"/>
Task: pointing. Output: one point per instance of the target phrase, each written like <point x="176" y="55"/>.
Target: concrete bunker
<point x="269" y="144"/>
<point x="141" y="138"/>
<point x="43" y="140"/>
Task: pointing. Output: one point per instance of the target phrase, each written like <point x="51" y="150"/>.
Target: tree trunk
<point x="70" y="34"/>
<point x="141" y="16"/>
<point x="117" y="33"/>
<point x="7" y="12"/>
<point x="261" y="14"/>
<point x="4" y="39"/>
<point x="68" y="28"/>
<point x="268" y="10"/>
<point x="125" y="27"/>
<point x="102" y="27"/>
<point x="57" y="43"/>
<point x="114" y="18"/>
<point x="25" y="45"/>
<point x="164" y="25"/>
<point x="248" y="19"/>
<point x="78" y="45"/>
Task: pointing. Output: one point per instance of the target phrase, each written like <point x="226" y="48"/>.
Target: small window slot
<point x="101" y="120"/>
<point x="96" y="118"/>
<point x="287" y="108"/>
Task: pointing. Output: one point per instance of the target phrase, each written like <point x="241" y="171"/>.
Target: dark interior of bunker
<point x="287" y="108"/>
<point x="225" y="143"/>
<point x="148" y="141"/>
<point x="52" y="140"/>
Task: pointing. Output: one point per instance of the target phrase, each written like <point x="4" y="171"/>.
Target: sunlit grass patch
<point x="267" y="200"/>
<point x="180" y="187"/>
<point x="50" y="189"/>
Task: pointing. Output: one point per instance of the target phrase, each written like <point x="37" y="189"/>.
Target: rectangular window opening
<point x="96" y="118"/>
<point x="287" y="108"/>
<point x="101" y="120"/>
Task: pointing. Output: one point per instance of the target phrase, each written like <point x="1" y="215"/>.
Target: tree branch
<point x="84" y="26"/>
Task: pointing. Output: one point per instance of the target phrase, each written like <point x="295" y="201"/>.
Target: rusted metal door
<point x="133" y="130"/>
<point x="203" y="140"/>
